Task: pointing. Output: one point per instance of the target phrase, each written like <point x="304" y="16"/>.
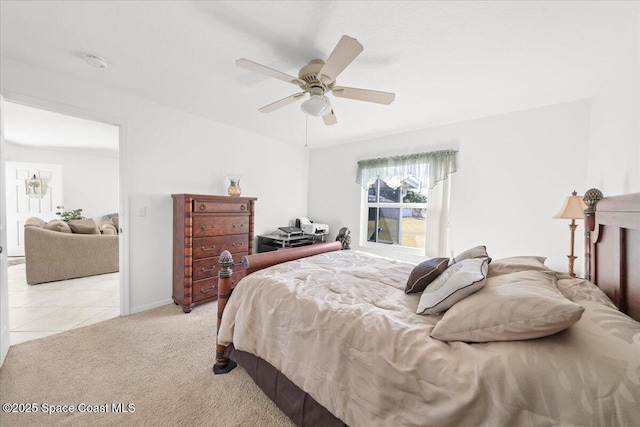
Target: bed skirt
<point x="301" y="408"/>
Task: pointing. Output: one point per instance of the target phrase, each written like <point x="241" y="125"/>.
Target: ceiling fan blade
<point x="281" y="103"/>
<point x="263" y="69"/>
<point x="364" y="95"/>
<point x="329" y="119"/>
<point x="343" y="54"/>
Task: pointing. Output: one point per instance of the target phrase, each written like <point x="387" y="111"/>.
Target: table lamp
<point x="572" y="209"/>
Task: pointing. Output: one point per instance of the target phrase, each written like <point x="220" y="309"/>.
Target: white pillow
<point x="516" y="306"/>
<point x="457" y="282"/>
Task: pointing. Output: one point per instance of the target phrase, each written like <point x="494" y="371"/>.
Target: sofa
<point x="59" y="250"/>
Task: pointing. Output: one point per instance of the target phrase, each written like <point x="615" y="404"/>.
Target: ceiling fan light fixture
<point x="316" y="106"/>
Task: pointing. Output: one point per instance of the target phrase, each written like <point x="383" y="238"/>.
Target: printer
<point x="309" y="227"/>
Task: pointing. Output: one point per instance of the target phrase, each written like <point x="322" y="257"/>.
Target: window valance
<point x="430" y="168"/>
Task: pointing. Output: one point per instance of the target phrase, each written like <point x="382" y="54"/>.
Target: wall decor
<point x="34" y="187"/>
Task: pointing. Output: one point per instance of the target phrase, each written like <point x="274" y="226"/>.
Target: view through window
<point x="397" y="212"/>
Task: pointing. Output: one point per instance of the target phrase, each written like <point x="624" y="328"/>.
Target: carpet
<point x="148" y="369"/>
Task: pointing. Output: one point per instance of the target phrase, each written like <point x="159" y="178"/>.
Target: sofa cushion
<point x="115" y="222"/>
<point x="108" y="228"/>
<point x="35" y="222"/>
<point x="58" y="225"/>
<point x="84" y="226"/>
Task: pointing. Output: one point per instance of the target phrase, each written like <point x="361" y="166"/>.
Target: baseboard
<point x="150" y="306"/>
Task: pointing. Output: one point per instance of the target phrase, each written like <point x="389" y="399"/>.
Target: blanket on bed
<point x="341" y="328"/>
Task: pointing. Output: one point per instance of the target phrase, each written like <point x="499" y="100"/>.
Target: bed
<point x="332" y="338"/>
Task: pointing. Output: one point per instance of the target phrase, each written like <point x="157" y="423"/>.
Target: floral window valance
<point x="430" y="168"/>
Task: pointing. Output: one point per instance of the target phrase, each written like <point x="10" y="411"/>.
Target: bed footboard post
<point x="591" y="198"/>
<point x="223" y="364"/>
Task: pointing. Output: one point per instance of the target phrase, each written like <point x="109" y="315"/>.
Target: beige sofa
<point x="54" y="251"/>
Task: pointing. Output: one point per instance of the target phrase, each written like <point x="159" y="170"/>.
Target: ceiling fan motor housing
<point x="309" y="73"/>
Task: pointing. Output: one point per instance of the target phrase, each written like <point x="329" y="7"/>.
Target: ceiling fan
<point x="319" y="77"/>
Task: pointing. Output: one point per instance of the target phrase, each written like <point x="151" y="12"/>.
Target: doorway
<point x="77" y="162"/>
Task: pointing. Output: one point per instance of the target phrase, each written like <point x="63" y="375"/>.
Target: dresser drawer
<point x="209" y="287"/>
<point x="205" y="247"/>
<point x="218" y="225"/>
<point x="209" y="267"/>
<point x="215" y="207"/>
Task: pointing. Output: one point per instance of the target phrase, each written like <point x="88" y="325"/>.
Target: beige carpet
<point x="159" y="360"/>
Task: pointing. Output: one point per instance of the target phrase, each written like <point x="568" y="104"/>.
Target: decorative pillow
<point x="425" y="273"/>
<point x="108" y="228"/>
<point x="58" y="225"/>
<point x="516" y="264"/>
<point x="477" y="252"/>
<point x="516" y="306"/>
<point x="457" y="282"/>
<point x="35" y="222"/>
<point x="84" y="226"/>
<point x="115" y="221"/>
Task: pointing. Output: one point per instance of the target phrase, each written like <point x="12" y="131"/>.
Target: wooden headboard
<point x="612" y="248"/>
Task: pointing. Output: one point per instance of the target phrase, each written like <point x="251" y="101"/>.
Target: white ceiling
<point x="446" y="61"/>
<point x="35" y="127"/>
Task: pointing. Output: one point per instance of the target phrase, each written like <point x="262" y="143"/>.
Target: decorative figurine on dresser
<point x="203" y="227"/>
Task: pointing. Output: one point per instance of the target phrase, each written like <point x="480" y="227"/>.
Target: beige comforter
<point x="341" y="328"/>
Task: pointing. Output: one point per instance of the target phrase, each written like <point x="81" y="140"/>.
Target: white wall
<point x="167" y="151"/>
<point x="90" y="181"/>
<point x="514" y="171"/>
<point x="614" y="146"/>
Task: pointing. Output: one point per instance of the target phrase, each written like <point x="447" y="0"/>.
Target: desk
<point x="275" y="241"/>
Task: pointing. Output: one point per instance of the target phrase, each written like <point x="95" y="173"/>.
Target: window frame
<point x="386" y="247"/>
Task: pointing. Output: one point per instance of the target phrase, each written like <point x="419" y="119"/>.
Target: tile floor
<point x="36" y="311"/>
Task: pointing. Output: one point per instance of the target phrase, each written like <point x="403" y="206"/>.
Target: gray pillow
<point x="456" y="283"/>
<point x="425" y="273"/>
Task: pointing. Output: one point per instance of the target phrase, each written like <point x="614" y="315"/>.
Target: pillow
<point x="58" y="225"/>
<point x="35" y="222"/>
<point x="425" y="273"/>
<point x="84" y="226"/>
<point x="516" y="306"/>
<point x="516" y="264"/>
<point x="457" y="282"/>
<point x="115" y="221"/>
<point x="477" y="252"/>
<point x="108" y="228"/>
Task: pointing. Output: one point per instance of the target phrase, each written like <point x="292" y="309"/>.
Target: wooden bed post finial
<point x="223" y="364"/>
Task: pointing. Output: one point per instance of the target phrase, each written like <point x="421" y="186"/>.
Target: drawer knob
<point x="203" y="206"/>
<point x="243" y="207"/>
<point x="211" y="227"/>
<point x="209" y="249"/>
<point x="237" y="244"/>
<point x="204" y="291"/>
<point x="204" y="270"/>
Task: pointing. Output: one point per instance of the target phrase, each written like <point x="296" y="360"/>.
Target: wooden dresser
<point x="203" y="227"/>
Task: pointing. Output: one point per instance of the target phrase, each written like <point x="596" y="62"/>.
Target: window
<point x="397" y="213"/>
<point x="405" y="202"/>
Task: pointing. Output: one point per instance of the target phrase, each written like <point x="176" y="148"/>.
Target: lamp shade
<point x="573" y="208"/>
<point x="315" y="106"/>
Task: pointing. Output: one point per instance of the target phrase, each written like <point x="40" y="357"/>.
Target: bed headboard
<point x="612" y="248"/>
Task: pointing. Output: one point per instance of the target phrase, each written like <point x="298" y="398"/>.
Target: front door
<point x="23" y="204"/>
